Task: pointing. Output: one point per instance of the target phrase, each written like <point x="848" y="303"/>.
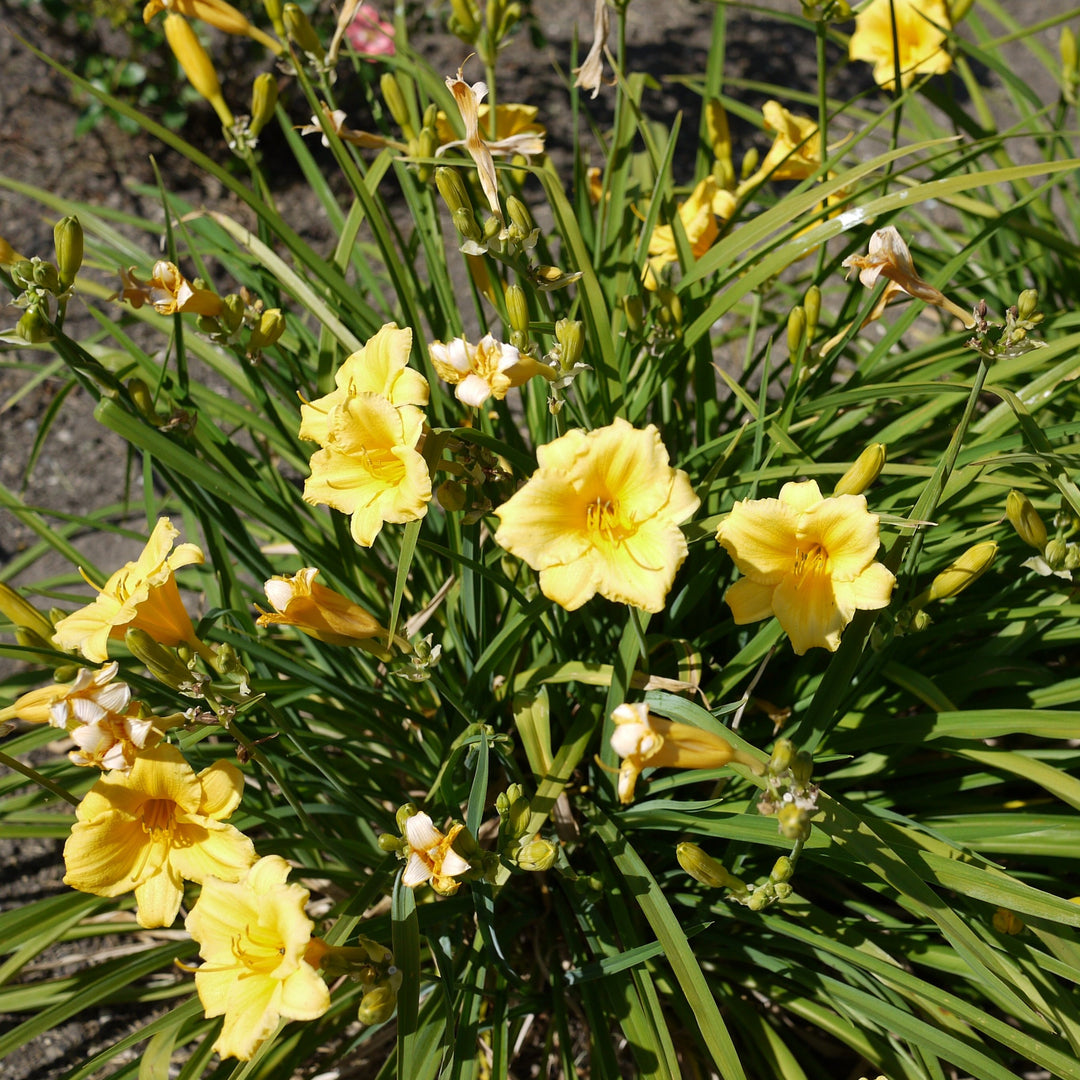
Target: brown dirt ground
<point x="84" y="467"/>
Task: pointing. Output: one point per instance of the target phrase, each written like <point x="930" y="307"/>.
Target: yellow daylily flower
<point x="167" y="291"/>
<point x="380" y="367"/>
<point x="369" y="466"/>
<point x="215" y="12"/>
<point x="645" y="741"/>
<point x="796" y="151"/>
<point x="253" y="935"/>
<point x="807" y="560"/>
<point x="431" y="856"/>
<point x="196" y="64"/>
<point x="920" y="35"/>
<point x="601" y="515"/>
<point x="141" y="594"/>
<point x="302" y="602"/>
<point x="698" y="214"/>
<point x="487" y="369"/>
<point x="889" y="257"/>
<point x="510" y="120"/>
<point x="148" y="829"/>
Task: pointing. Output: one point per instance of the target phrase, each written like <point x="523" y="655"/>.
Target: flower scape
<point x="575" y="601"/>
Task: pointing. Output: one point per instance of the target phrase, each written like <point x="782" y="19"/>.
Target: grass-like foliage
<point x="667" y="662"/>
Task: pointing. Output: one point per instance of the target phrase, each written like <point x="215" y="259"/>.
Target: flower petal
<point x="846" y="530"/>
<point x="158" y="898"/>
<point x="871" y="590"/>
<point x="810" y="612"/>
<point x="760" y="536"/>
<point x="749" y="600"/>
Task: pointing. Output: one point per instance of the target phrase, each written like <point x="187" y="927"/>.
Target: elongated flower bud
<point x="298" y="27"/>
<point x="68" y="240"/>
<point x="264" y="95"/>
<point x="704" y="868"/>
<point x="395" y="102"/>
<point x="270" y="327"/>
<point x="197" y="65"/>
<point x="21" y="613"/>
<point x="517" y="307"/>
<point x="1025" y="519"/>
<point x="864" y="472"/>
<point x="812" y="307"/>
<point x="796" y="330"/>
<point x="452" y="188"/>
<point x="960" y="573"/>
<point x="162" y="663"/>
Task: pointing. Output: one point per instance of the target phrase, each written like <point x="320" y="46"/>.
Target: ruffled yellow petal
<point x="844" y="528"/>
<point x="800" y="496"/>
<point x="222" y="787"/>
<point x="104" y="856"/>
<point x="760" y="536"/>
<point x="304" y="995"/>
<point x="206" y="848"/>
<point x="158" y="898"/>
<point x="749" y="600"/>
<point x="251" y="1015"/>
<point x="542" y="523"/>
<point x="381" y="367"/>
<point x="871" y="590"/>
<point x="810" y="612"/>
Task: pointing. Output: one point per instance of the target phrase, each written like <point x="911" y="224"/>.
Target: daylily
<point x="510" y="120"/>
<point x="380" y="367"/>
<point x="920" y="34"/>
<point x="601" y="515"/>
<point x="141" y="594"/>
<point x="326" y="615"/>
<point x="254" y="937"/>
<point x="796" y="151"/>
<point x="698" y="214"/>
<point x="369" y="466"/>
<point x="487" y="369"/>
<point x="431" y="856"/>
<point x="196" y="64"/>
<point x="334" y="119"/>
<point x="468" y="98"/>
<point x="807" y="560"/>
<point x="645" y="741"/>
<point x="590" y="74"/>
<point x="889" y="257"/>
<point x="149" y="828"/>
<point x="167" y="291"/>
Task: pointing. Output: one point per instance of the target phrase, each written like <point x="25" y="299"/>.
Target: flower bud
<point x="802" y="768"/>
<point x="451" y="496"/>
<point x="1027" y="303"/>
<point x="22" y="272"/>
<point x="796" y="330"/>
<point x="634" y="310"/>
<point x="464" y="20"/>
<point x="793" y="821"/>
<point x="749" y="163"/>
<point x="264" y="95"/>
<point x="1072" y="557"/>
<point x="537" y="855"/>
<point x="274" y="12"/>
<point x="270" y="327"/>
<point x="301" y="32"/>
<point x="1068" y="51"/>
<point x="33" y="328"/>
<point x="570" y="335"/>
<point x="46" y="276"/>
<point x="427" y="144"/>
<point x="197" y="65"/>
<point x="864" y="472"/>
<point x="465" y="223"/>
<point x="551" y="277"/>
<point x="704" y="868"/>
<point x="519" y="214"/>
<point x="395" y="102"/>
<point x="143" y="400"/>
<point x="406" y="811"/>
<point x="517" y="308"/>
<point x="718" y="133"/>
<point x="389" y="843"/>
<point x="1025" y="519"/>
<point x="21" y="613"/>
<point x="782" y="757"/>
<point x="782" y="870"/>
<point x="68" y="240"/>
<point x="1007" y="922"/>
<point x="452" y="188"/>
<point x="812" y="307"/>
<point x="670" y="313"/>
<point x="162" y="663"/>
<point x="232" y="312"/>
<point x="961" y="572"/>
<point x="378" y="1005"/>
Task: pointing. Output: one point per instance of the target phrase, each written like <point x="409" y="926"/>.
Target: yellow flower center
<point x="158" y="815"/>
<point x="605" y="524"/>
<point x="258" y="948"/>
<point x="810" y="561"/>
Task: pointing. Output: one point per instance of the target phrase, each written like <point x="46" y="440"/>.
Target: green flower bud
<point x="793" y="822"/>
<point x="812" y="307"/>
<point x="46" y="276"/>
<point x="22" y="272"/>
<point x="782" y="870"/>
<point x="21" y="613"/>
<point x="570" y="335"/>
<point x="274" y="10"/>
<point x="671" y="312"/>
<point x="264" y="95"/>
<point x="452" y="188"/>
<point x="68" y="241"/>
<point x="1027" y="303"/>
<point x="796" y="330"/>
<point x="232" y="312"/>
<point x="782" y="890"/>
<point x="519" y="214"/>
<point x="427" y="144"/>
<point x="143" y="400"/>
<point x="782" y="757"/>
<point x="378" y="1005"/>
<point x="704" y="868"/>
<point x="465" y="223"/>
<point x="962" y="572"/>
<point x="301" y="32"/>
<point x="1068" y="51"/>
<point x="749" y="163"/>
<point x="634" y="310"/>
<point x="395" y="102"/>
<point x="1025" y="519"/>
<point x="864" y="472"/>
<point x="517" y="307"/>
<point x="389" y="843"/>
<point x="161" y="662"/>
<point x="270" y="327"/>
<point x="1072" y="557"/>
<point x="405" y="812"/>
<point x="451" y="496"/>
<point x="33" y="327"/>
<point x="31" y="639"/>
<point x="802" y="768"/>
<point x="537" y="855"/>
<point x="465" y="20"/>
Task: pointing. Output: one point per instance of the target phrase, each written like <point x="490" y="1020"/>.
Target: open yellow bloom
<point x="148" y="829"/>
<point x="645" y="741"/>
<point x="142" y="594"/>
<point x="601" y="515"/>
<point x="889" y="257"/>
<point x="807" y="560"/>
<point x="510" y="120"/>
<point x="432" y="857"/>
<point x="253" y="935"/>
<point x="920" y="35"/>
<point x="796" y="151"/>
<point x="487" y="369"/>
<point x="369" y="466"/>
<point x="302" y="602"/>
<point x="380" y="367"/>
<point x="167" y="291"/>
<point x="698" y="214"/>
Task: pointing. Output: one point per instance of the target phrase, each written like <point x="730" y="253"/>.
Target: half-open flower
<point x="431" y="856"/>
<point x="142" y="594"/>
<point x="920" y="28"/>
<point x="168" y="292"/>
<point x="253" y="935"/>
<point x="700" y="215"/>
<point x="151" y="827"/>
<point x="601" y="514"/>
<point x="645" y="741"/>
<point x="888" y="257"/>
<point x="487" y="369"/>
<point x="807" y="560"/>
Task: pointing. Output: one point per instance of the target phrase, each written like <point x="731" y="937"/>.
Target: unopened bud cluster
<point x="789" y="794"/>
<point x="1014" y="340"/>
<point x="704" y="868"/>
<point x="1057" y="556"/>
